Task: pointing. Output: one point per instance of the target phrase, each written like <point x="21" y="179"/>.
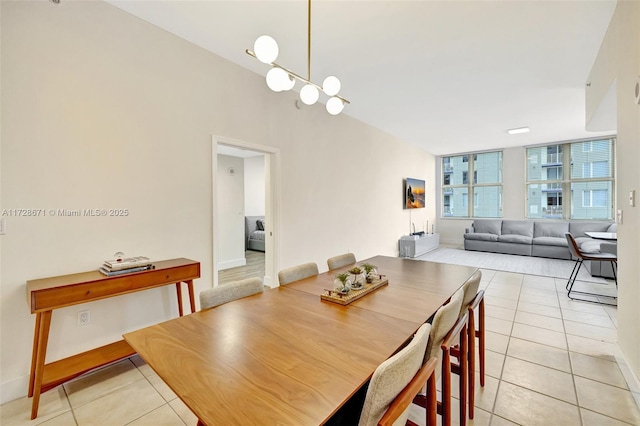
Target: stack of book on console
<point x="126" y="265"/>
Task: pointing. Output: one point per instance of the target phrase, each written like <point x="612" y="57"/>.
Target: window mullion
<point x="566" y="181"/>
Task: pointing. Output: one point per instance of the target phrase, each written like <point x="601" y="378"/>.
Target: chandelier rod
<point x="309" y="40"/>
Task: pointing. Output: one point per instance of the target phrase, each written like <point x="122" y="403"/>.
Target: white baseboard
<point x="268" y="281"/>
<point x="632" y="380"/>
<point x="14" y="389"/>
<point x="232" y="264"/>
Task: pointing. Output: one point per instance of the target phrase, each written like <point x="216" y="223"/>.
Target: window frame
<point x="472" y="205"/>
<point x="565" y="182"/>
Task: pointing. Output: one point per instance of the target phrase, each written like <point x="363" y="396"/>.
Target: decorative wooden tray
<point x="345" y="299"/>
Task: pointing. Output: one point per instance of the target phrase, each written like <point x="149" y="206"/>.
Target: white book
<point x="129" y="262"/>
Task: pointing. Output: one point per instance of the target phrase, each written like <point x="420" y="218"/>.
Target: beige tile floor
<point x="550" y="361"/>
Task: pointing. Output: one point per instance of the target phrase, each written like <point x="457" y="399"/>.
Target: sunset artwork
<point x="414" y="193"/>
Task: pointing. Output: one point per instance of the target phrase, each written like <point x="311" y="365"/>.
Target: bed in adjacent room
<point x="254" y="232"/>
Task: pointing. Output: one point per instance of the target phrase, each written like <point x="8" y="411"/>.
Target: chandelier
<point x="279" y="78"/>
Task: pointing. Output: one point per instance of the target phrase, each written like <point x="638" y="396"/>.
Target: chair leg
<point x="572" y="280"/>
<point x="446" y="389"/>
<point x="614" y="267"/>
<point x="480" y="333"/>
<point x="432" y="404"/>
<point x="471" y="333"/>
<point x="573" y="271"/>
<point x="574" y="275"/>
<point x="464" y="385"/>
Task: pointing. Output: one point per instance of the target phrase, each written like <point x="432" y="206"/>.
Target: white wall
<point x="618" y="62"/>
<point x="230" y="211"/>
<point x="254" y="186"/>
<point x="103" y="110"/>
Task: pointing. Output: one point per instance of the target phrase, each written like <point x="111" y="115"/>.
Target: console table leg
<point x="41" y="353"/>
<point x="179" y="289"/>
<point x="34" y="353"/>
<point x="192" y="298"/>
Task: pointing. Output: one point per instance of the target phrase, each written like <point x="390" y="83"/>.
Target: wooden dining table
<point x="285" y="356"/>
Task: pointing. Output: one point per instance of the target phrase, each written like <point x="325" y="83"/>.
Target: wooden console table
<point x="45" y="295"/>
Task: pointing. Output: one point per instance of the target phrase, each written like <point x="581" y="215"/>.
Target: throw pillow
<point x="260" y="224"/>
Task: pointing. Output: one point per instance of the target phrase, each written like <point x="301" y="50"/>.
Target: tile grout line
<point x="495" y="400"/>
<point x="566" y="339"/>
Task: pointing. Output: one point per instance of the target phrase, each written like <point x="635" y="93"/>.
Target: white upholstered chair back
<point x="341" y="260"/>
<point x="390" y="378"/>
<point x="227" y="292"/>
<point x="296" y="273"/>
<point x="444" y="320"/>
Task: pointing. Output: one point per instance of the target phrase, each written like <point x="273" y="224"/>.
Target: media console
<point x="417" y="245"/>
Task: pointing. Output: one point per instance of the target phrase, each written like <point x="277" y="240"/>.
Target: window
<point x="594" y="198"/>
<point x="571" y="181"/>
<point x="486" y="187"/>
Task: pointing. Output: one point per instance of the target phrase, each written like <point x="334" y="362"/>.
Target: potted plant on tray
<point x="370" y="271"/>
<point x="358" y="279"/>
<point x="342" y="283"/>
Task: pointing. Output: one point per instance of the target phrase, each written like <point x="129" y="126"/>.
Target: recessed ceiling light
<point x="518" y="130"/>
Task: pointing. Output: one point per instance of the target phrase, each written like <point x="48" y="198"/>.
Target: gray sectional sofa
<point x="542" y="238"/>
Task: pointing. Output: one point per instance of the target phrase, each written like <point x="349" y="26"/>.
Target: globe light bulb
<point x="331" y="85"/>
<point x="335" y="105"/>
<point x="309" y="94"/>
<point x="266" y="49"/>
<point x="288" y="82"/>
<point x="277" y="79"/>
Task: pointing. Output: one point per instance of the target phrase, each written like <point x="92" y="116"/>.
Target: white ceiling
<point x="449" y="76"/>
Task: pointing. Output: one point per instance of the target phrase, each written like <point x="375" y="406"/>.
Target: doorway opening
<point x="245" y="211"/>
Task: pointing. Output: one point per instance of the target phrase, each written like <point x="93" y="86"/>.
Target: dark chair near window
<point x="580" y="258"/>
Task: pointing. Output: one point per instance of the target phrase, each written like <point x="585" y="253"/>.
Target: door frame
<point x="272" y="204"/>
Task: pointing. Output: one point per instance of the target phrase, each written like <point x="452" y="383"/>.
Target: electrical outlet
<point x="84" y="317"/>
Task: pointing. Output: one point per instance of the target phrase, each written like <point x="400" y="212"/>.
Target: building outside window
<point x="572" y="180"/>
<point x="486" y="187"/>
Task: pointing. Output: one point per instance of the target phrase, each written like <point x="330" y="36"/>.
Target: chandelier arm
<point x="296" y="76"/>
<point x="309" y="40"/>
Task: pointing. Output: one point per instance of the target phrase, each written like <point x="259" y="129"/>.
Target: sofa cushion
<point x="517" y="227"/>
<point x="550" y="241"/>
<point x="487" y="226"/>
<point x="550" y="229"/>
<point x="612" y="228"/>
<point x="517" y="239"/>
<point x="578" y="229"/>
<point x="481" y="237"/>
<point x="591" y="246"/>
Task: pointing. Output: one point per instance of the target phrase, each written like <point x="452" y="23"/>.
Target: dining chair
<point x="474" y="298"/>
<point x="341" y="260"/>
<point x="397" y="380"/>
<point x="295" y="273"/>
<point x="448" y="330"/>
<point x="580" y="257"/>
<point x="224" y="293"/>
